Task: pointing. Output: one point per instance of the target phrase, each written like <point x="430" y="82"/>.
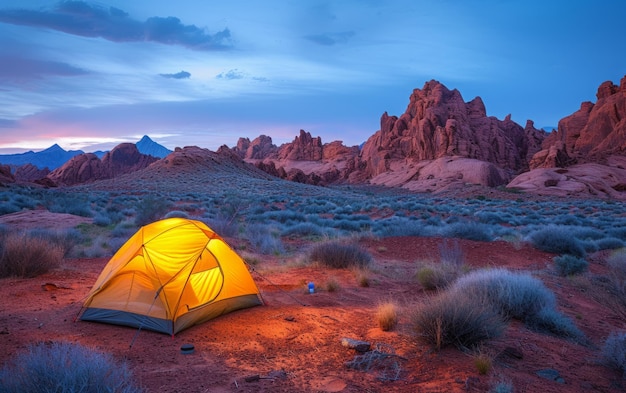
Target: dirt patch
<point x="42" y="219"/>
<point x="293" y="342"/>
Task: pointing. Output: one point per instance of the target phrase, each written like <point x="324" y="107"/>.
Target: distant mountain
<point x="52" y="157"/>
<point x="149" y="147"/>
<point x="55" y="156"/>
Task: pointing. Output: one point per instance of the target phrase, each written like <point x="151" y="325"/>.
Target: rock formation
<point x="30" y="173"/>
<point x="591" y="134"/>
<point x="438" y="123"/>
<point x="87" y="167"/>
<point x="5" y="175"/>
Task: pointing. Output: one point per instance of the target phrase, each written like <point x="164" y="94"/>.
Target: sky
<point x="90" y="75"/>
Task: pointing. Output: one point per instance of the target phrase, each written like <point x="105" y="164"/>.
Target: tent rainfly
<point x="170" y="275"/>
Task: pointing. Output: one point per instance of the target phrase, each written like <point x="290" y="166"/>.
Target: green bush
<point x="614" y="352"/>
<point x="65" y="367"/>
<point x="340" y="256"/>
<point x="451" y="318"/>
<point x="27" y="256"/>
<point x="567" y="265"/>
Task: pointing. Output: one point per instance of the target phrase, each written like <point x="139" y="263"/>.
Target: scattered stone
<point x="551" y="374"/>
<point x="357" y="345"/>
<point x="187" y="349"/>
<point x="290" y="318"/>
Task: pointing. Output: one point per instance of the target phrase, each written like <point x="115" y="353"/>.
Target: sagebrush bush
<point x="469" y="230"/>
<point x="340" y="256"/>
<point x="65" y="367"/>
<point x="451" y="318"/>
<point x="513" y="295"/>
<point x="519" y="296"/>
<point x="557" y="240"/>
<point x="264" y="238"/>
<point x="614" y="351"/>
<point x="435" y="276"/>
<point x="387" y="316"/>
<point x="150" y="209"/>
<point x="27" y="256"/>
<point x="567" y="265"/>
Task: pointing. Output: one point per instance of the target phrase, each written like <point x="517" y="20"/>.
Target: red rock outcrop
<point x="303" y="148"/>
<point x="5" y="175"/>
<point x="591" y="134"/>
<point x="260" y="148"/>
<point x="438" y="123"/>
<point x="84" y="168"/>
<point x="30" y="173"/>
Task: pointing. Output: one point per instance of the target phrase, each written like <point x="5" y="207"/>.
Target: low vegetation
<point x="338" y="255"/>
<point x="614" y="352"/>
<point x="387" y="315"/>
<point x="65" y="367"/>
<point x="567" y="265"/>
<point x="25" y="255"/>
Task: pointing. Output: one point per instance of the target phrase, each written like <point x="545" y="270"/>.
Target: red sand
<point x="293" y="342"/>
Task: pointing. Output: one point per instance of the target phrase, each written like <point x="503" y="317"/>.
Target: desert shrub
<point x="614" y="351"/>
<point x="519" y="296"/>
<point x="469" y="230"/>
<point x="340" y="256"/>
<point x="304" y="229"/>
<point x="332" y="285"/>
<point x="567" y="265"/>
<point x="431" y="277"/>
<point x="27" y="256"/>
<point x="65" y="367"/>
<point x="387" y="316"/>
<point x="66" y="239"/>
<point x="617" y="265"/>
<point x="609" y="243"/>
<point x="264" y="238"/>
<point x="513" y="295"/>
<point x="150" y="209"/>
<point x="483" y="362"/>
<point x="451" y="318"/>
<point x="557" y="240"/>
<point x="549" y="320"/>
<point x="224" y="226"/>
<point x="362" y="277"/>
<point x="436" y="276"/>
<point x="451" y="253"/>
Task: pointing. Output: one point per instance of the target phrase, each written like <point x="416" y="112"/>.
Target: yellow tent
<point x="170" y="275"/>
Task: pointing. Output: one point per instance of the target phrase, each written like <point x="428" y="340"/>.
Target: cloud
<point x="113" y="24"/>
<point x="230" y="75"/>
<point x="19" y="68"/>
<point x="178" y="75"/>
<point x="330" y="39"/>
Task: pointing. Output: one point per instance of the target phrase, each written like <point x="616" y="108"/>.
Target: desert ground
<point x="293" y="343"/>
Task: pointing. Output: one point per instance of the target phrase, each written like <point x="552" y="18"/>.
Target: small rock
<point x="290" y="319"/>
<point x="551" y="374"/>
<point x="357" y="345"/>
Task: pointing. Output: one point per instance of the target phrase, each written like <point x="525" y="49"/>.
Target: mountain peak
<point x="149" y="147"/>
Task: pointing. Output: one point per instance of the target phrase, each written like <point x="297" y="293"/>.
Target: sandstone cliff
<point x="87" y="167"/>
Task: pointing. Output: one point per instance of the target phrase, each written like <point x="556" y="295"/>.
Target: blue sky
<point x="90" y="75"/>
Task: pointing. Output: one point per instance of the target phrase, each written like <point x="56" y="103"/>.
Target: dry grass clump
<point x="340" y="256"/>
<point x="451" y="318"/>
<point x="387" y="316"/>
<point x="483" y="363"/>
<point x="362" y="278"/>
<point x="614" y="352"/>
<point x="28" y="256"/>
<point x="332" y="285"/>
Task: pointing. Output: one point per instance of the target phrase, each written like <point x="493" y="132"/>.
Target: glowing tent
<point x="170" y="275"/>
